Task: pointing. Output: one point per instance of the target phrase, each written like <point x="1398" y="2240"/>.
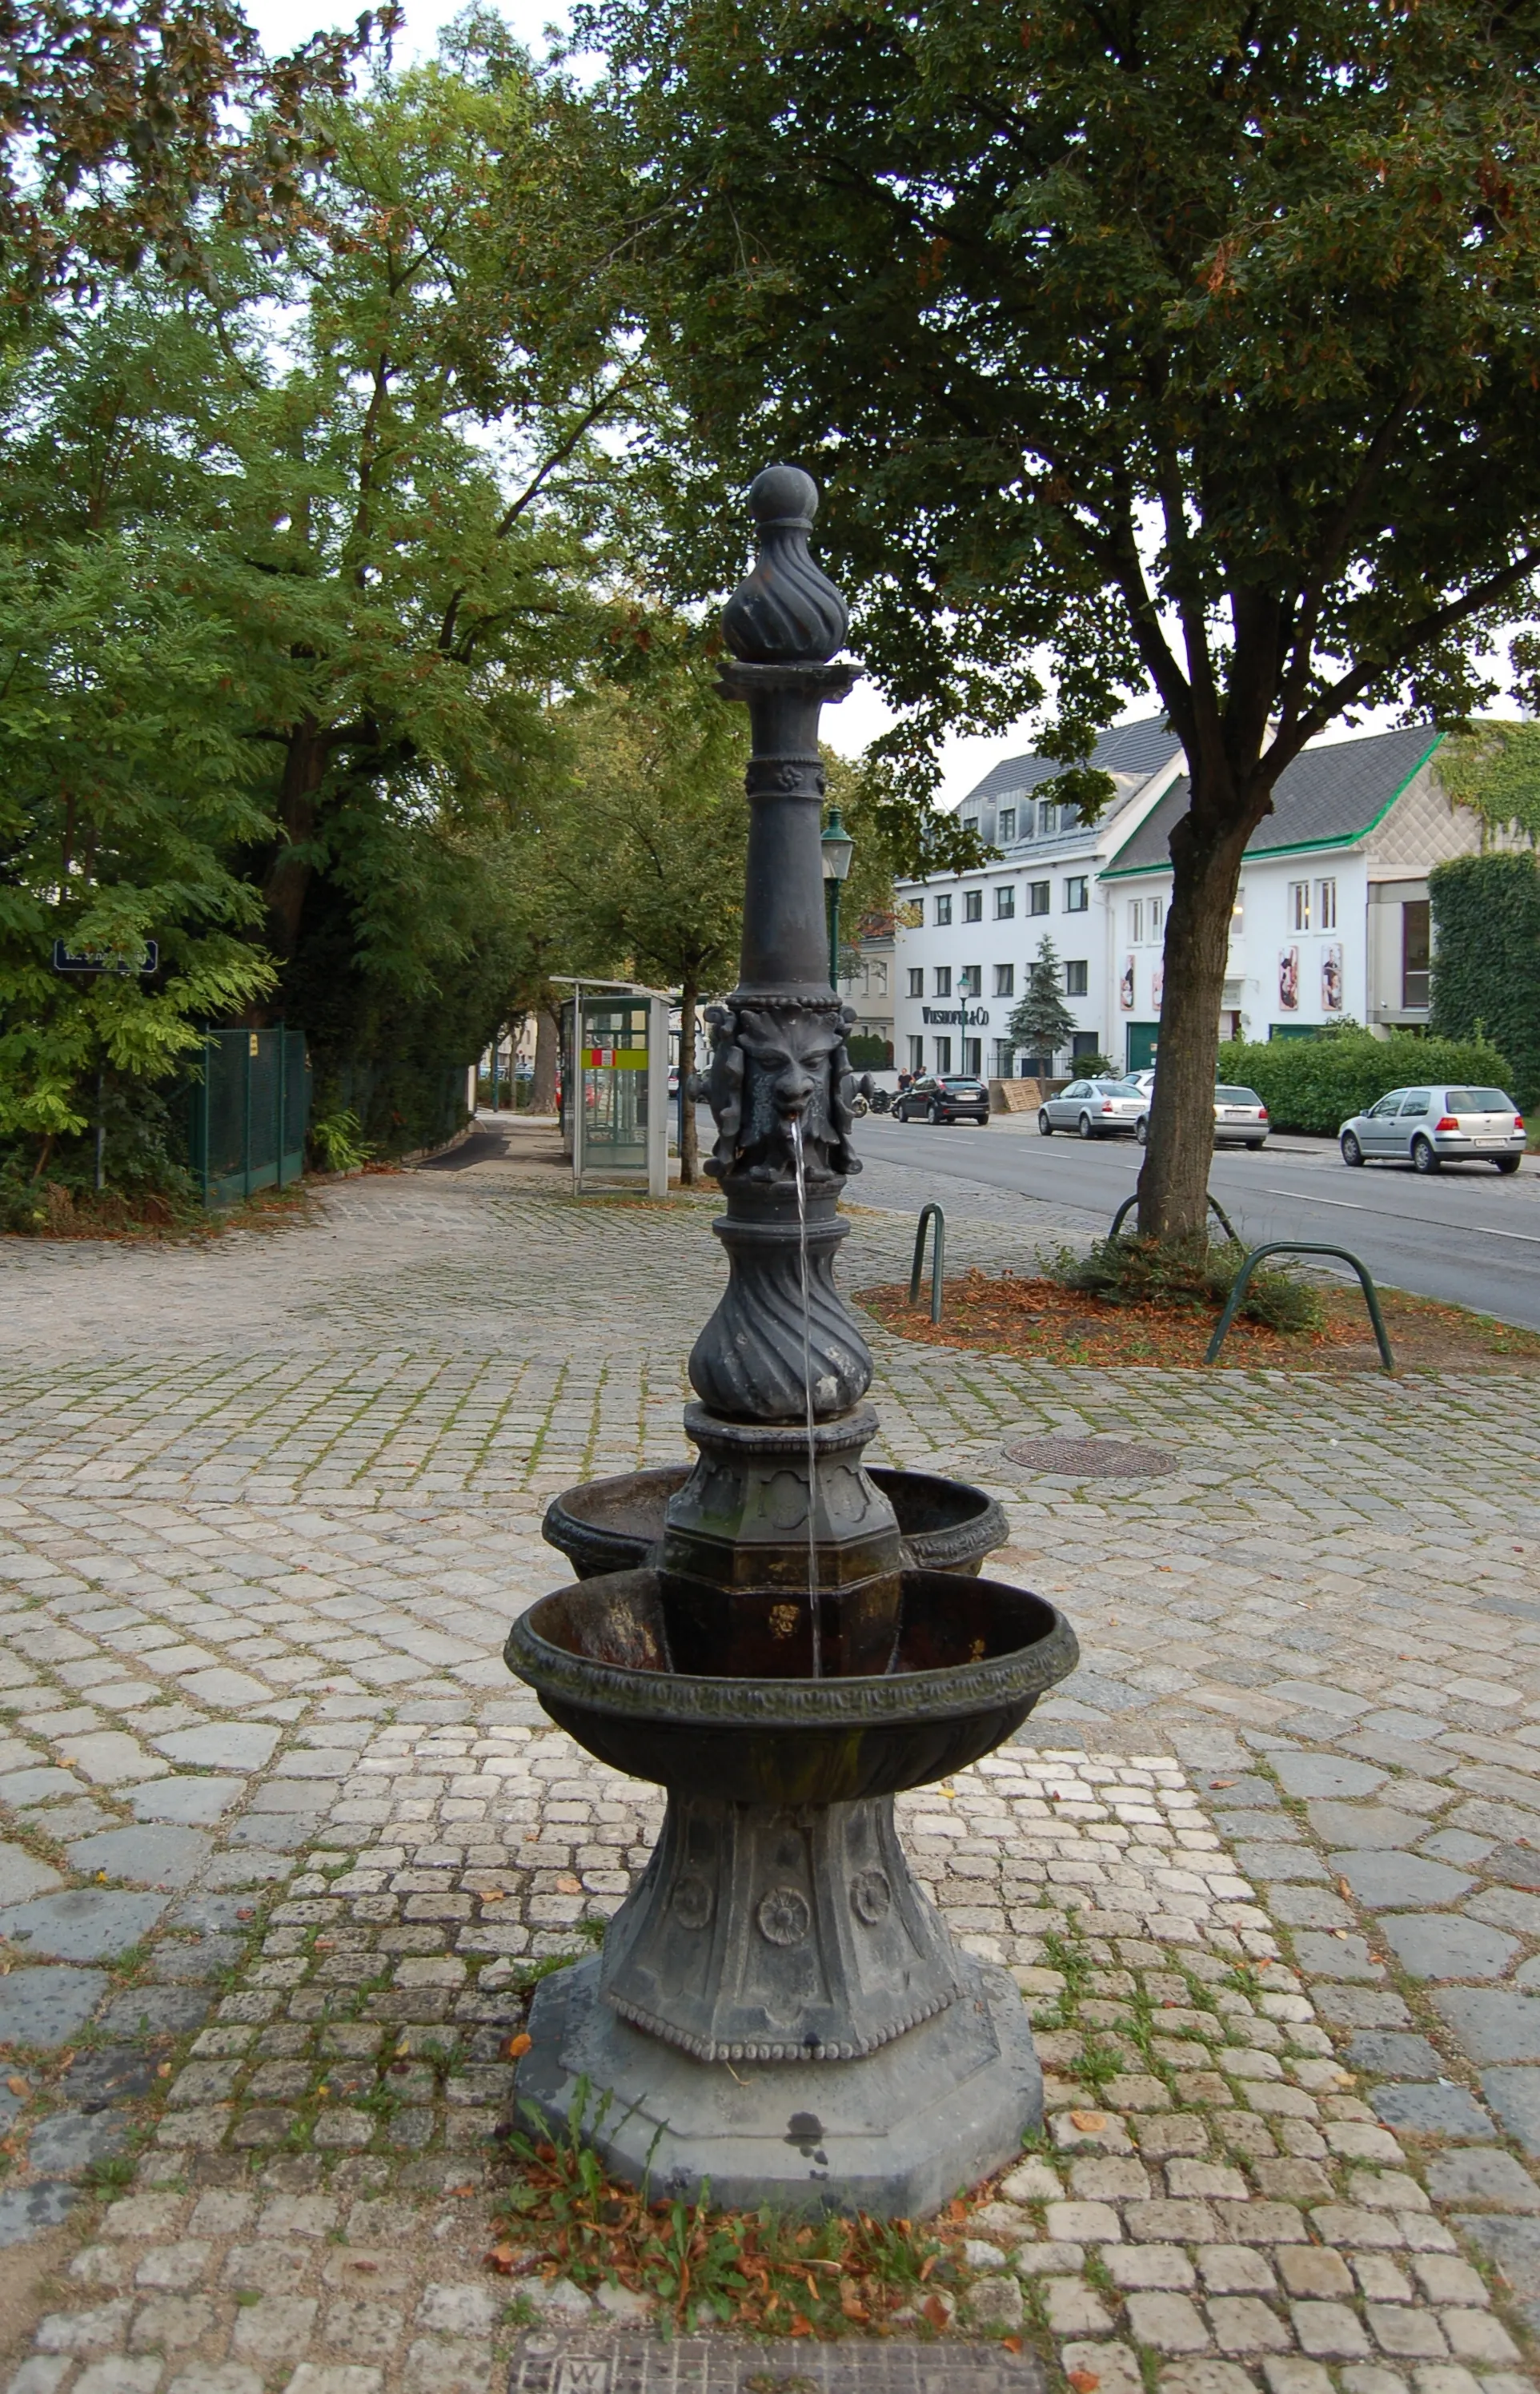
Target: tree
<point x="1192" y="343"/>
<point x="294" y="564"/>
<point x="652" y="867"/>
<point x="124" y="787"/>
<point x="1041" y="1022"/>
<point x="127" y="125"/>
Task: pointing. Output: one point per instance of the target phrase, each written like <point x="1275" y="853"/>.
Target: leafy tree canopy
<point x="295" y="569"/>
<point x="1192" y="345"/>
<point x="127" y="125"/>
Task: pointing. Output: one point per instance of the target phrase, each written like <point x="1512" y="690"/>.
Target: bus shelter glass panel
<point x="614" y="1077"/>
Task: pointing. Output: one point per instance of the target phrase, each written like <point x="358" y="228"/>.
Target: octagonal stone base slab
<point x="896" y="2134"/>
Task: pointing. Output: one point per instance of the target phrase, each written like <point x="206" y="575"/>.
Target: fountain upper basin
<point x="970" y="1659"/>
<point x="613" y="1525"/>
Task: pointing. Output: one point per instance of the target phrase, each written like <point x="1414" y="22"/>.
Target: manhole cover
<point x="1091" y="1458"/>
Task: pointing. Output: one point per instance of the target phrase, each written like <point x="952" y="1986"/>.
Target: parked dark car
<point x="940" y="1098"/>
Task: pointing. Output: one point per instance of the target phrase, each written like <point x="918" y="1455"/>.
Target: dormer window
<point x="1007" y="822"/>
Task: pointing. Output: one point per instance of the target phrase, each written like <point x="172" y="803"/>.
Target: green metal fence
<point x="249" y="1112"/>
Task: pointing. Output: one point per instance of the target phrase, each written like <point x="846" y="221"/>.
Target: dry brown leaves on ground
<point x="1038" y="1322"/>
<point x="564" y="2217"/>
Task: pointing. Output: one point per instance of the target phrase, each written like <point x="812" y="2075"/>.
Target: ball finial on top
<point x="786" y="611"/>
<point x="783" y="494"/>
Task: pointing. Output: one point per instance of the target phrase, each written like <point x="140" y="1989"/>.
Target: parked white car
<point x="1429" y="1127"/>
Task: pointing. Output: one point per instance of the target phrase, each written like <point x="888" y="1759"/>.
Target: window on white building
<point x="1005" y="902"/>
<point x="1077" y="894"/>
<point x="1157" y="916"/>
<point x="969" y="980"/>
<point x="972" y="905"/>
<point x="944" y="980"/>
<point x="1076" y="977"/>
<point x="944" y="909"/>
<point x="1298" y="906"/>
<point x="1004" y="1058"/>
<point x="972" y="1056"/>
<point x="917" y="1054"/>
<point x="881" y="970"/>
<point x="943" y="1055"/>
<point x="1005" y="981"/>
<point x="1136" y="922"/>
<point x="916" y="981"/>
<point x="1325" y="905"/>
<point x="1037" y="896"/>
<point x="1007" y="822"/>
<point x="969" y="823"/>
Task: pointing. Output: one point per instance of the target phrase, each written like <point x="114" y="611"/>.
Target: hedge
<point x="1314" y="1084"/>
<point x="1486" y="958"/>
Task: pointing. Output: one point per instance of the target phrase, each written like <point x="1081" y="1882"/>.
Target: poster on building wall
<point x="1125" y="987"/>
<point x="1289" y="979"/>
<point x="1331" y="978"/>
<point x="1158" y="986"/>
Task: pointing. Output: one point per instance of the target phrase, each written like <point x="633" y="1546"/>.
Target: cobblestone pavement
<point x="282" y="1837"/>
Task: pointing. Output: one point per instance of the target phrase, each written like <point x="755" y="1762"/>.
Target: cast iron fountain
<point x="777" y="2008"/>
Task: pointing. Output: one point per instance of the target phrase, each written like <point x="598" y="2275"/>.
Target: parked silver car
<point x="1095" y="1108"/>
<point x="1240" y="1117"/>
<point x="1429" y="1127"/>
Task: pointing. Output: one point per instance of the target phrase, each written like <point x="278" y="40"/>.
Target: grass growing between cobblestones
<point x="564" y="2219"/>
<point x="1035" y="1320"/>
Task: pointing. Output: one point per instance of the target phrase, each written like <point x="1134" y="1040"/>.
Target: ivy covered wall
<point x="1486" y="958"/>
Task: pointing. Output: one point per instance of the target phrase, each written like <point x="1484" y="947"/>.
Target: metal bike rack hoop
<point x="938" y="1258"/>
<point x="1301" y="1247"/>
<point x="1129" y="1202"/>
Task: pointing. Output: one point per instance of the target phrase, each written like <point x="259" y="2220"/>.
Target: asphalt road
<point x="1467" y="1236"/>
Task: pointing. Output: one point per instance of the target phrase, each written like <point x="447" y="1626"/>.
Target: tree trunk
<point x="1173" y="1184"/>
<point x="689" y="1143"/>
<point x="543" y="1095"/>
<point x="289" y="875"/>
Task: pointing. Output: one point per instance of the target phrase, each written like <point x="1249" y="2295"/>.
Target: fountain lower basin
<point x="779" y="2011"/>
<point x="612" y="1525"/>
<point x="969" y="1660"/>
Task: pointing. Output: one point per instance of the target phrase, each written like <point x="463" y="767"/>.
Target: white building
<point x="962" y="967"/>
<point x="1331" y="920"/>
<point x="1332" y="914"/>
<point x="867" y="961"/>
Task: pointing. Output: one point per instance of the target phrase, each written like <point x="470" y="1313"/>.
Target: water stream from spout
<point x="814" y="1621"/>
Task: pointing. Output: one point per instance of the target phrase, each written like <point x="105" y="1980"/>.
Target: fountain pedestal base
<point x="896" y="2134"/>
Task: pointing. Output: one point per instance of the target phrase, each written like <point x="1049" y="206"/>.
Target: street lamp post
<point x="837" y="848"/>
